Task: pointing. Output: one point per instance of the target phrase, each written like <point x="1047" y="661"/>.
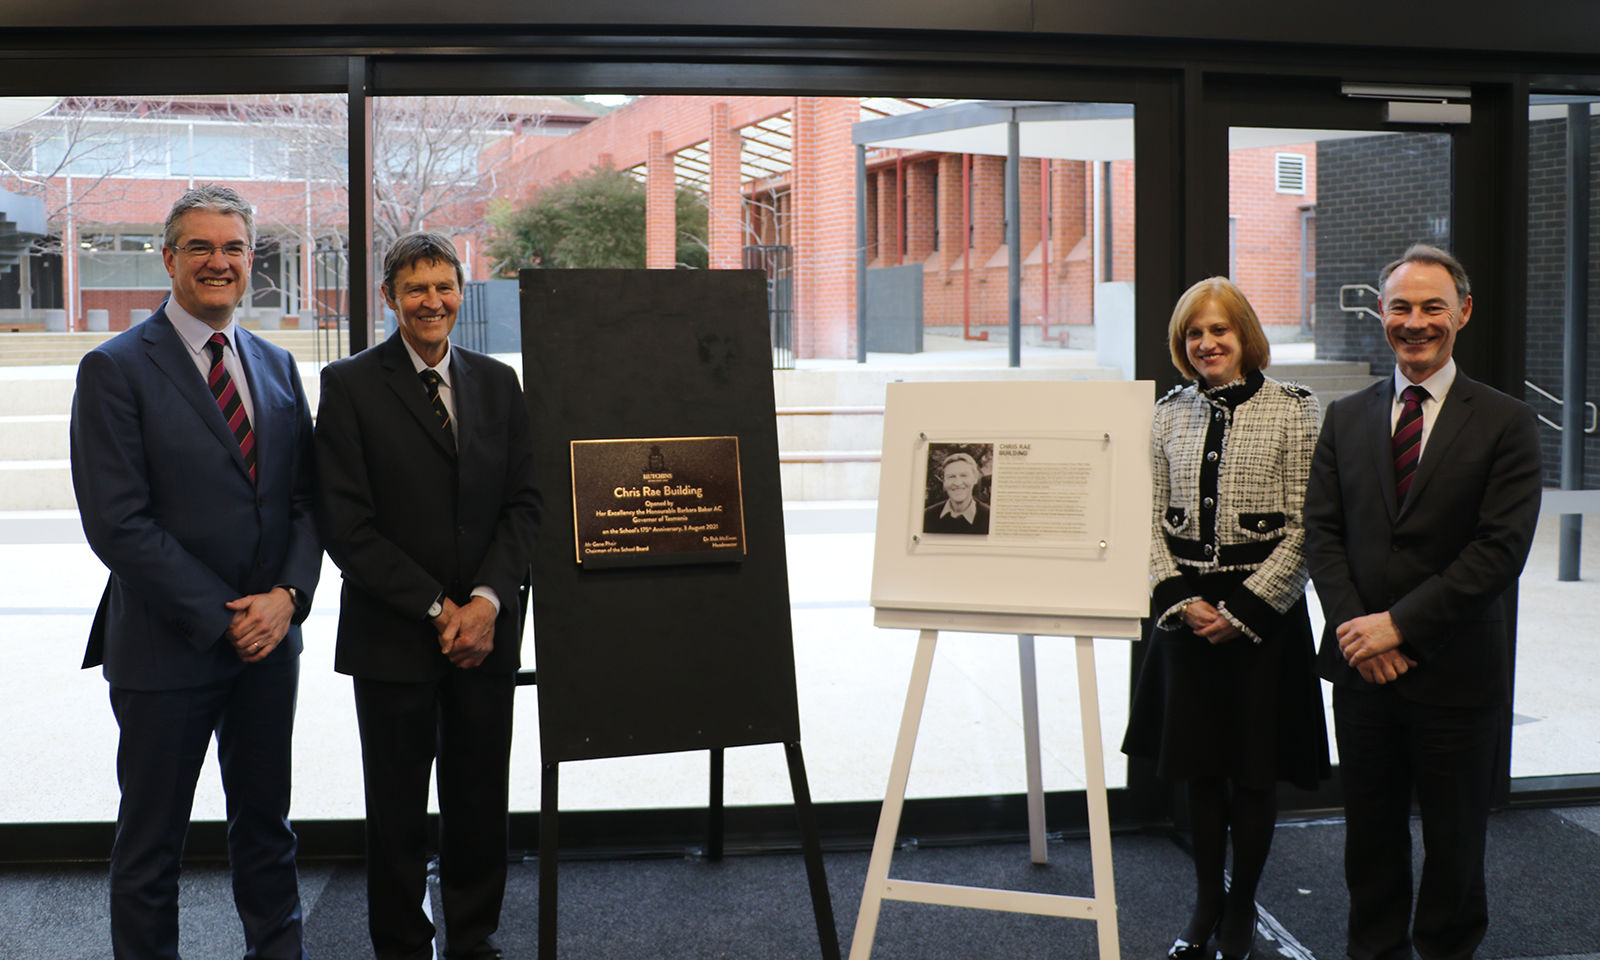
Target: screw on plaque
<point x="1102" y="544"/>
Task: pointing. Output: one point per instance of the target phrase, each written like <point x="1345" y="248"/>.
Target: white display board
<point x="1062" y="523"/>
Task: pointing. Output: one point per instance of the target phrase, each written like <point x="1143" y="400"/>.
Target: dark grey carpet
<point x="1543" y="870"/>
<point x="1544" y="881"/>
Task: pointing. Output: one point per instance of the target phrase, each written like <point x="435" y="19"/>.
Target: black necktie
<point x="1407" y="441"/>
<point x="431" y="380"/>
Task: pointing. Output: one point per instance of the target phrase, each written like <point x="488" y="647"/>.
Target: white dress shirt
<point x="196" y="333"/>
<point x="1437" y="386"/>
<point x="447" y="394"/>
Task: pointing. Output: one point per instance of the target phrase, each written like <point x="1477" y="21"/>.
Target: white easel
<point x="1101" y="907"/>
<point x="1082" y="583"/>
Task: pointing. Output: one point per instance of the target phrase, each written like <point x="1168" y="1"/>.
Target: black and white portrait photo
<point x="958" y="483"/>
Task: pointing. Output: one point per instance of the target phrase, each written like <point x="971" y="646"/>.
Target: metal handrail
<point x="1359" y="309"/>
<point x="1594" y="413"/>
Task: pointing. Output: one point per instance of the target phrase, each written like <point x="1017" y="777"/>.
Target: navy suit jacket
<point x="168" y="506"/>
<point x="406" y="518"/>
<point x="1440" y="563"/>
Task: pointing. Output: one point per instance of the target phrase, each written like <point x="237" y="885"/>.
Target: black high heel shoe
<point x="1250" y="951"/>
<point x="1182" y="949"/>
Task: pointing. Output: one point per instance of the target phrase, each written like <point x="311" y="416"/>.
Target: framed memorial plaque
<point x="659" y="500"/>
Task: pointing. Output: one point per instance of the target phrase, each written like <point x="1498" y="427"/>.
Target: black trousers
<point x="464" y="719"/>
<point x="1388" y="747"/>
<point x="163" y="742"/>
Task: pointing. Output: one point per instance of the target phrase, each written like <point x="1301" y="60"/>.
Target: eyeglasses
<point x="201" y="250"/>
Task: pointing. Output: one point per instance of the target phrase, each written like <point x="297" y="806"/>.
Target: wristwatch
<point x="435" y="610"/>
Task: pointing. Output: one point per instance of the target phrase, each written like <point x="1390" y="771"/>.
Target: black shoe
<point x="1247" y="954"/>
<point x="1182" y="949"/>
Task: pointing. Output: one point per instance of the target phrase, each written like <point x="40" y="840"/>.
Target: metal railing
<point x="777" y="262"/>
<point x="330" y="301"/>
<point x="1358" y="308"/>
<point x="1594" y="414"/>
<point x="472" y="322"/>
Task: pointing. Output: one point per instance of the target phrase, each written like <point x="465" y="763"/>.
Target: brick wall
<point x="1267" y="234"/>
<point x="1547" y="225"/>
<point x="120" y="304"/>
<point x="1375" y="197"/>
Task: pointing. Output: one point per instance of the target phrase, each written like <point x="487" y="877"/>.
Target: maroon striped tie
<point x="1407" y="441"/>
<point x="231" y="403"/>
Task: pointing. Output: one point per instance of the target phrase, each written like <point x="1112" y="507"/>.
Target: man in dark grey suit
<point x="1421" y="507"/>
<point x="191" y="460"/>
<point x="426" y="501"/>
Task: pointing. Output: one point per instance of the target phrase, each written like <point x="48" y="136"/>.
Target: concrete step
<point x="28" y="349"/>
<point x="843" y="428"/>
<point x="848" y="480"/>
<point x="36" y="485"/>
<point x="34" y="437"/>
<point x="864" y="386"/>
<point x="41" y="392"/>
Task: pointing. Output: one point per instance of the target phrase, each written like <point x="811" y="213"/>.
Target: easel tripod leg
<point x="821" y="899"/>
<point x="1095" y="794"/>
<point x="548" y="837"/>
<point x="714" y="814"/>
<point x="1030" y="738"/>
<point x="893" y="800"/>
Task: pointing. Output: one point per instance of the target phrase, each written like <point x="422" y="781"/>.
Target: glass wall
<point x="87" y="182"/>
<point x="729" y="182"/>
<point x="763" y="181"/>
<point x="1555" y="714"/>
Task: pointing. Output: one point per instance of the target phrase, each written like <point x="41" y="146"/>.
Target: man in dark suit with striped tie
<point x="1421" y="507"/>
<point x="191" y="461"/>
<point x="427" y="503"/>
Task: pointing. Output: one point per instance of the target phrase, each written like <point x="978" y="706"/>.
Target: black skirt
<point x="1248" y="711"/>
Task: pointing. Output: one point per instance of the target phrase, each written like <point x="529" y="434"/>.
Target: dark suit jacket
<point x="406" y="519"/>
<point x="167" y="504"/>
<point x="1441" y="563"/>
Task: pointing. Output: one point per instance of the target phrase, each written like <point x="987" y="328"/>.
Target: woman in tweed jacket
<point x="1228" y="699"/>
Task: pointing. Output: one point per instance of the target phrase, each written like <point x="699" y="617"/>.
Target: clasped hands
<point x="1207" y="621"/>
<point x="260" y="622"/>
<point x="466" y="633"/>
<point x="1371" y="645"/>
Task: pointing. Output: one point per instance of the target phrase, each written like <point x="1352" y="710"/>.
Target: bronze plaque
<point x="657" y="501"/>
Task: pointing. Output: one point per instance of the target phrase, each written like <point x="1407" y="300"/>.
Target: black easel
<point x="821" y="901"/>
<point x="644" y="355"/>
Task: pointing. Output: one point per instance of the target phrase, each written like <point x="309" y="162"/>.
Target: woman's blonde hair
<point x="1254" y="352"/>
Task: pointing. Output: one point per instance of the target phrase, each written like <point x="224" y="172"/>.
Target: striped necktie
<point x="1407" y="441"/>
<point x="231" y="404"/>
<point x="431" y="379"/>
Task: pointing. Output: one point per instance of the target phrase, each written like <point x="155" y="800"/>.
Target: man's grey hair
<point x="1425" y="253"/>
<point x="213" y="197"/>
<point x="413" y="248"/>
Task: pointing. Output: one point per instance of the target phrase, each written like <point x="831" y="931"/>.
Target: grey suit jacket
<point x="1440" y="563"/>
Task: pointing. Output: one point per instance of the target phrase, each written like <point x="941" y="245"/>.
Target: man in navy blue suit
<point x="192" y="464"/>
